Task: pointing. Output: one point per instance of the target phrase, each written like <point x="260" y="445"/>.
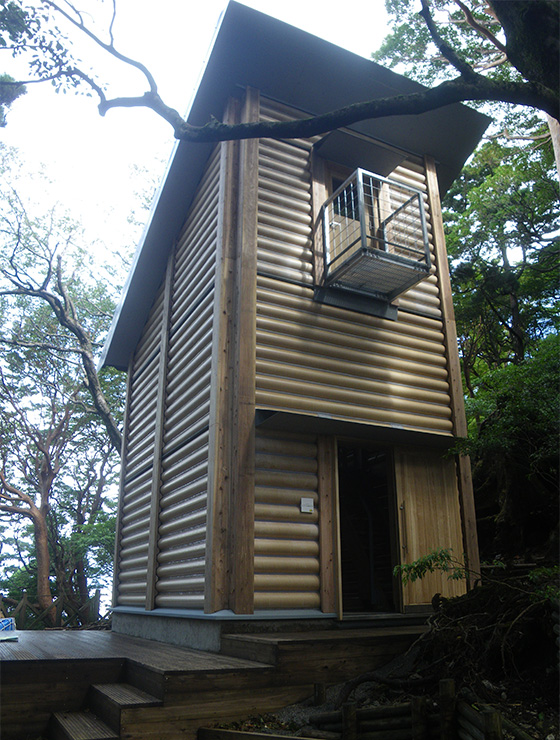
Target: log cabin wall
<point x="161" y="558"/>
<point x="131" y="562"/>
<point x="287" y="555"/>
<point x="182" y="528"/>
<point x="316" y="358"/>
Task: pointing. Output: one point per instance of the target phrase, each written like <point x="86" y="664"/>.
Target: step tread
<point x="346" y="635"/>
<point x="84" y="726"/>
<point x="126" y="695"/>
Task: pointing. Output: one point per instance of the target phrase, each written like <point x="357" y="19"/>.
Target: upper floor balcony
<point x="375" y="237"/>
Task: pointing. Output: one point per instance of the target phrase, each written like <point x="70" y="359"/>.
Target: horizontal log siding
<point x="423" y="298"/>
<point x="184" y="480"/>
<point x="132" y="565"/>
<point x="285" y="218"/>
<point x="286" y="541"/>
<point x="313" y="358"/>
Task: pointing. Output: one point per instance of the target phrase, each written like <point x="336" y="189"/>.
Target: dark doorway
<point x="366" y="529"/>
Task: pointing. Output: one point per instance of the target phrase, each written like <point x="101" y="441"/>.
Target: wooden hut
<point x="293" y="378"/>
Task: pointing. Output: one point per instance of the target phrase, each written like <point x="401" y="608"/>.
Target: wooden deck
<point x="90" y="685"/>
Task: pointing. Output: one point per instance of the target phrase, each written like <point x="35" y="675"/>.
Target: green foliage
<point x="9" y="92"/>
<point x="14" y="23"/>
<point x="545" y="582"/>
<point x="14" y="27"/>
<point x="410" y="50"/>
<point x="441" y="560"/>
<point x="502" y="219"/>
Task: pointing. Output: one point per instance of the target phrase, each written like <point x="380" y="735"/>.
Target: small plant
<point x="437" y="560"/>
<point x="545" y="581"/>
<point x="441" y="560"/>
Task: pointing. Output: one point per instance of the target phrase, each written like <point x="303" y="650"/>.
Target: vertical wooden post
<point x="59" y="605"/>
<point x="242" y="508"/>
<point x="319" y="694"/>
<point x="94" y="606"/>
<point x="464" y="478"/>
<point x="216" y="595"/>
<point x="118" y="525"/>
<point x="319" y="196"/>
<point x="447" y="702"/>
<point x="153" y="537"/>
<point x="23" y="613"/>
<point x="326" y="463"/>
<point x="349" y="721"/>
<point x="419" y="707"/>
<point x="492" y="724"/>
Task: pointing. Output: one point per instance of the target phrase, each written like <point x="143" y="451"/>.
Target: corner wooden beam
<point x="464" y="477"/>
<point x="216" y="595"/>
<point x="242" y="505"/>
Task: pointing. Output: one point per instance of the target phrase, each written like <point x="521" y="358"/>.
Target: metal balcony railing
<point x="375" y="237"/>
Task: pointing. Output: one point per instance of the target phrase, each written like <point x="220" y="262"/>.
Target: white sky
<point x="90" y="158"/>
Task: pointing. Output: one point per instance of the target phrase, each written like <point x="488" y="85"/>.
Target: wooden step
<point x="79" y="726"/>
<point x="108" y="700"/>
<point x="325" y="656"/>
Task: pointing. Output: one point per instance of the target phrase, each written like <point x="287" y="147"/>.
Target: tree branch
<point x="478" y="88"/>
<point x="464" y="69"/>
<point x="109" y="48"/>
<point x="473" y="23"/>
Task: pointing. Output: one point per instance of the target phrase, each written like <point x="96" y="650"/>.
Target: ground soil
<point x="498" y="643"/>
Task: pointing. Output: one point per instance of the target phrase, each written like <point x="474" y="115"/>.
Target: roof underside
<point x="303" y="71"/>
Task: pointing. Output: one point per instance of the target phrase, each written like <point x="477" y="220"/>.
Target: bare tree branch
<point x="482" y="30"/>
<point x="469" y="86"/>
<point x="464" y="69"/>
<point x="109" y="48"/>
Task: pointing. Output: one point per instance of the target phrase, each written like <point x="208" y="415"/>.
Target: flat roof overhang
<point x="294" y="67"/>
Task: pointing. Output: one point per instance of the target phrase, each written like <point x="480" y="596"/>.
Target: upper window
<point x="374" y="236"/>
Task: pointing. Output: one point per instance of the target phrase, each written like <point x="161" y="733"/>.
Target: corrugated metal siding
<point x="183" y="494"/>
<point x="286" y="541"/>
<point x="285" y="218"/>
<point x="316" y="358"/>
<point x="138" y="461"/>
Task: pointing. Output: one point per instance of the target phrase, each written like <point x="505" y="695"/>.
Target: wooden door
<point x="429" y="517"/>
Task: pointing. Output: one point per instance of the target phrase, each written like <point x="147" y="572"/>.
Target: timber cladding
<point x="287" y="563"/>
<point x="211" y="513"/>
<point x="428" y="502"/>
<point x="136" y="484"/>
<point x="161" y="555"/>
<point x="316" y="358"/>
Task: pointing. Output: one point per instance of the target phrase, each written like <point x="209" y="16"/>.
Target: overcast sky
<point x="91" y="158"/>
